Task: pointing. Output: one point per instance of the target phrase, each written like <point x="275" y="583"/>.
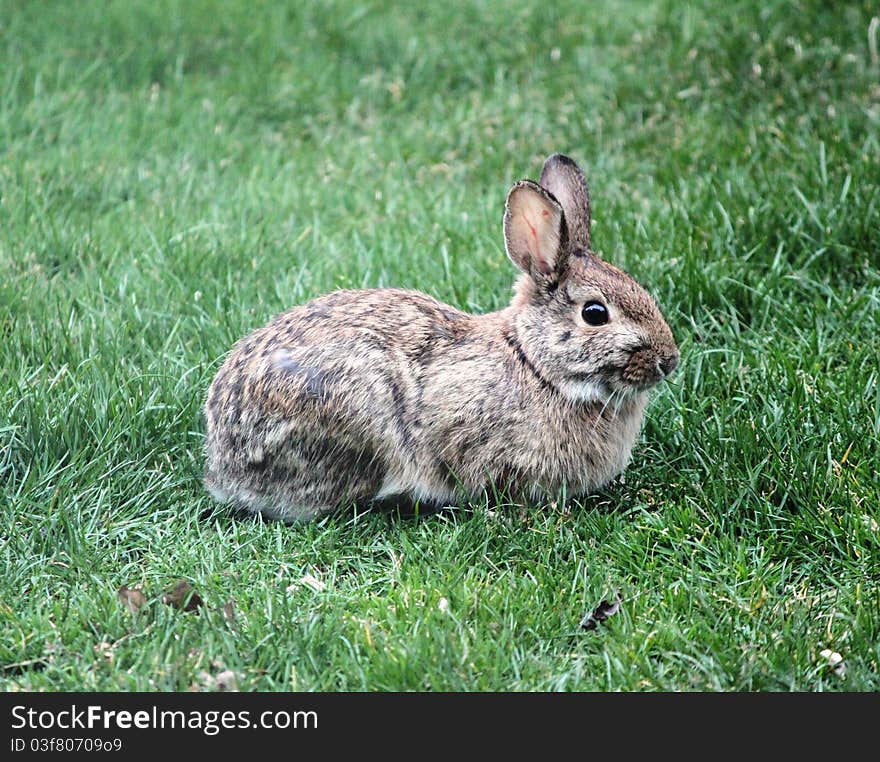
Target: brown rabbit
<point x="386" y="393"/>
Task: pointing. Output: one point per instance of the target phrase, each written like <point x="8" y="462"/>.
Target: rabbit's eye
<point x="595" y="313"/>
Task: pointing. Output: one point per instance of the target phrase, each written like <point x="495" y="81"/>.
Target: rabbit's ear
<point x="565" y="180"/>
<point x="534" y="230"/>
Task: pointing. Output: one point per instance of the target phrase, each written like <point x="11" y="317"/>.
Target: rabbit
<point x="388" y="394"/>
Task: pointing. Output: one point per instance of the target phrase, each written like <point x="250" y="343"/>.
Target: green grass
<point x="174" y="173"/>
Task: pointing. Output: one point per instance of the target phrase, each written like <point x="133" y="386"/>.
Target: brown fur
<point x="372" y="394"/>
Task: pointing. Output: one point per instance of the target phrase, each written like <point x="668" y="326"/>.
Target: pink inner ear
<point x="534" y="232"/>
<point x="542" y="263"/>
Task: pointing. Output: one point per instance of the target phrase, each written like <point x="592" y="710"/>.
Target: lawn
<point x="172" y="174"/>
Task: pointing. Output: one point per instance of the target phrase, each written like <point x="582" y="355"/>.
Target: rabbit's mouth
<point x="646" y="367"/>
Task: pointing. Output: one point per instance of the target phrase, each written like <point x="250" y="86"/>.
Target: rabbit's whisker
<point x="602" y="411"/>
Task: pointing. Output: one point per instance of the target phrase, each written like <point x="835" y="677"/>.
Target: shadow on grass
<point x="402" y="510"/>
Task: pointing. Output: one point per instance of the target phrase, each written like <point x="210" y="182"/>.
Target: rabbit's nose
<point x="669" y="363"/>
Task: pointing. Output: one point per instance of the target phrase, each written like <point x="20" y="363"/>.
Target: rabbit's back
<point x="319" y="405"/>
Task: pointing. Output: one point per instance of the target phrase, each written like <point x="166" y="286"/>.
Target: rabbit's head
<point x="588" y="326"/>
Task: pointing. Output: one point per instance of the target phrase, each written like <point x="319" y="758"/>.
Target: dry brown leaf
<point x="183" y="597"/>
<point x="313" y="582"/>
<point x="224" y="681"/>
<point x="228" y="610"/>
<point x="132" y="598"/>
<point x="604" y="610"/>
<point x="835" y="661"/>
<point x="105" y="650"/>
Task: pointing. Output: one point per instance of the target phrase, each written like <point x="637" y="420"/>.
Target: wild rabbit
<point x="388" y="393"/>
